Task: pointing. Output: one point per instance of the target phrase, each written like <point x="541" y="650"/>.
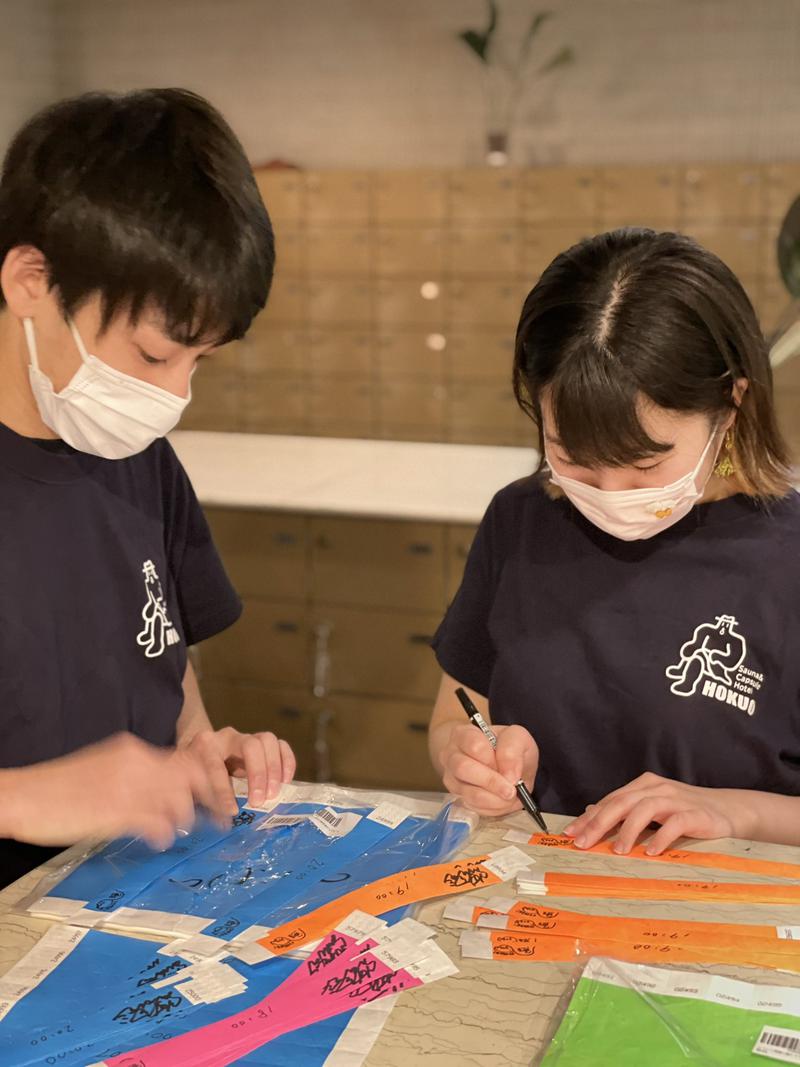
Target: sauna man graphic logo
<point x="714" y="657"/>
<point x="158" y="632"/>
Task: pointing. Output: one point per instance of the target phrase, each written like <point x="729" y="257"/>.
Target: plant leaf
<point x="788" y="249"/>
<point x="536" y="23"/>
<point x="479" y="42"/>
<point x="562" y="58"/>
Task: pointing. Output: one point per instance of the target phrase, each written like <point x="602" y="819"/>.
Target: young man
<point x="133" y="242"/>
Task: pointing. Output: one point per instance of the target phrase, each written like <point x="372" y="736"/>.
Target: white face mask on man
<point x="101" y="410"/>
<point x="636" y="514"/>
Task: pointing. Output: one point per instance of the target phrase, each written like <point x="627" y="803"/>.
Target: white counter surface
<point x="329" y="475"/>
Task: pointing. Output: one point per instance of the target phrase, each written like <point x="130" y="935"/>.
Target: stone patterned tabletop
<point x="492" y="1013"/>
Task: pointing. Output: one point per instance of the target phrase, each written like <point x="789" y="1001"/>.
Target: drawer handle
<point x="287" y="627"/>
<point x="420" y="548"/>
<point x="417" y="727"/>
<point x="282" y="538"/>
<point x="290" y="713"/>
<point x="420" y="639"/>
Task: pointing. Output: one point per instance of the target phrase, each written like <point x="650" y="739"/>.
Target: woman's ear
<point x="739" y="389"/>
<point x="24" y="280"/>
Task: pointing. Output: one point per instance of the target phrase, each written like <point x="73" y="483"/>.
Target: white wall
<point x="384" y="83"/>
<point x="28" y="76"/>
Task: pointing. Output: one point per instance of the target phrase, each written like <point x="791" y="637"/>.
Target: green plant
<point x="480" y="43"/>
<point x="789" y="250"/>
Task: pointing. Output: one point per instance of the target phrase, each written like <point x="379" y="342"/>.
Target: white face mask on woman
<point x="101" y="410"/>
<point x="636" y="514"/>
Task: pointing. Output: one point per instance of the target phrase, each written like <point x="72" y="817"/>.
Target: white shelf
<point x="328" y="475"/>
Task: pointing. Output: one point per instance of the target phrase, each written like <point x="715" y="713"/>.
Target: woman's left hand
<point x="682" y="810"/>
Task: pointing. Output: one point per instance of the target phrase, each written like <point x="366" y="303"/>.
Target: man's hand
<point x="263" y="759"/>
<point x="120" y="786"/>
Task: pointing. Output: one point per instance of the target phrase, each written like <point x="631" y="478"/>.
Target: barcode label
<point x="334" y="823"/>
<point x="778" y="1044"/>
<point x="276" y="822"/>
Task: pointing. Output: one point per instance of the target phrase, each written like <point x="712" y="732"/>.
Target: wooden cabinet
<point x="265" y="553"/>
<point x="486" y="303"/>
<point x="410" y="197"/>
<point x="639" y="196"/>
<point x="377" y="563"/>
<point x="339" y="302"/>
<point x="410" y="353"/>
<point x="340" y="351"/>
<point x="484" y="196"/>
<point x="415" y="409"/>
<point x="410" y="302"/>
<point x="339" y="251"/>
<point x="459" y="542"/>
<point x="554" y="195"/>
<point x="379" y="652"/>
<point x="287" y="713"/>
<point x="414" y="250"/>
<point x="269" y="645"/>
<point x="336" y="197"/>
<point x="283" y="192"/>
<point x="381" y="744"/>
<point x="484" y="251"/>
<point x="721" y="192"/>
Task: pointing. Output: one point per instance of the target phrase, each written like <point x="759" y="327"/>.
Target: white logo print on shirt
<point x="715" y="656"/>
<point x="158" y="632"/>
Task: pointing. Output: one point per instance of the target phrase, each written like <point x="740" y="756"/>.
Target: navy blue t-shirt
<point x="107" y="573"/>
<point x="677" y="654"/>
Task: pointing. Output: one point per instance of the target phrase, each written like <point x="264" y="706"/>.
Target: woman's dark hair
<point x="637" y="314"/>
<point x="144" y="198"/>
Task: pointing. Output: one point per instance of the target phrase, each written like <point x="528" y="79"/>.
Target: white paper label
<point x="778" y="1044"/>
<point x="506" y="862"/>
<point x="388" y="814"/>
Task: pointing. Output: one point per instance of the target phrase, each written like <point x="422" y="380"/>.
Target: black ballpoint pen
<point x="478" y="720"/>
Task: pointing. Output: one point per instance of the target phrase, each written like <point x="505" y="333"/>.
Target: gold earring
<point x="725" y="467"/>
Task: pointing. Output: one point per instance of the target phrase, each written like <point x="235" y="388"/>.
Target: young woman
<point x="629" y="614"/>
<point x="133" y="242"/>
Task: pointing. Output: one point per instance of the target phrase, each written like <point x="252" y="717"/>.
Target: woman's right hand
<point x="484" y="777"/>
<point x="118" y="787"/>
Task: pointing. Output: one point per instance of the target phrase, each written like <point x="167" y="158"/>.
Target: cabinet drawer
<point x="459" y="542"/>
<point x="541" y="245"/>
<point x="487" y="303"/>
<point x="264" y="554"/>
<point x="483" y="250"/>
<point x="411" y="353"/>
<point x="552" y="195"/>
<point x="253" y="709"/>
<point x="339" y="303"/>
<point x="271" y="346"/>
<point x="739" y="247"/>
<point x="346" y="401"/>
<point x="415" y="403"/>
<point x="721" y="192"/>
<point x="339" y="251"/>
<point x="410" y="197"/>
<point x="337" y="351"/>
<point x="274" y="403"/>
<point x="377" y="564"/>
<point x="487" y="355"/>
<point x="639" y="196"/>
<point x="410" y="250"/>
<point x="411" y="302"/>
<point x="288" y="301"/>
<point x="269" y="644"/>
<point x="283" y="193"/>
<point x="216" y="400"/>
<point x="375" y="653"/>
<point x="483" y="196"/>
<point x="290" y="250"/>
<point x="781" y="189"/>
<point x="380" y="744"/>
<point x="336" y="197"/>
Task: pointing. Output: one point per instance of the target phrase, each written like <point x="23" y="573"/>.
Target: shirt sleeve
<point x="208" y="602"/>
<point x="463" y="643"/>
